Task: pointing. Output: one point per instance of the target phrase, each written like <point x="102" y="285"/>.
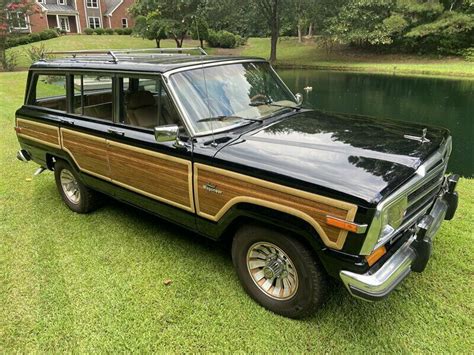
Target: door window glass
<point x="145" y="103"/>
<point x="93" y="96"/>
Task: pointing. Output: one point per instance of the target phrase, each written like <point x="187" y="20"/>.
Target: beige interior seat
<point x="141" y="109"/>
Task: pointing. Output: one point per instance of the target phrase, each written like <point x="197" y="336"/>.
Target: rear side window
<point x="50" y="92"/>
<point x="93" y="96"/>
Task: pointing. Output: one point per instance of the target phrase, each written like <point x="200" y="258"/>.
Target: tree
<point x="177" y="15"/>
<point x="200" y="30"/>
<point x="271" y="10"/>
<point x="12" y="14"/>
<point x="151" y="27"/>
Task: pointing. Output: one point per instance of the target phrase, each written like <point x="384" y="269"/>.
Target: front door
<point x="158" y="171"/>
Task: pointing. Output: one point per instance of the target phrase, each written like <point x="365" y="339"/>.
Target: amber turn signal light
<point x="348" y="226"/>
<point x="376" y="255"/>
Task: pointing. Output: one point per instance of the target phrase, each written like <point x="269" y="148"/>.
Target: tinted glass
<point x="93" y="96"/>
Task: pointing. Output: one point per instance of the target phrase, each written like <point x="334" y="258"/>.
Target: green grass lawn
<point x="94" y="282"/>
<point x="290" y="54"/>
<point x="82" y="42"/>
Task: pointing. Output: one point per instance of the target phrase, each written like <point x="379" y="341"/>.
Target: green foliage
<point x="19" y="40"/>
<point x="109" y="31"/>
<point x="468" y="54"/>
<point x="151" y="27"/>
<point x="11" y="61"/>
<point x="119" y="31"/>
<point x="36" y="53"/>
<point x="200" y="30"/>
<point x="99" y="31"/>
<point x="223" y="39"/>
<point x="89" y="31"/>
<point x="127" y="31"/>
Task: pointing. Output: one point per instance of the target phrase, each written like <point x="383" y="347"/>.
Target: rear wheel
<point x="278" y="271"/>
<point x="74" y="193"/>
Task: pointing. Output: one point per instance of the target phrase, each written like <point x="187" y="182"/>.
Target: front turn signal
<point x="346" y="225"/>
<point x="376" y="255"/>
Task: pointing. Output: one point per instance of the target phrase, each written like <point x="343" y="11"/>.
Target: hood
<point x="364" y="157"/>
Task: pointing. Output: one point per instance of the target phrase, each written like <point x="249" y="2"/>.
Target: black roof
<point x="160" y="64"/>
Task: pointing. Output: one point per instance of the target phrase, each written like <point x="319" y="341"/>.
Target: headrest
<point x="140" y="99"/>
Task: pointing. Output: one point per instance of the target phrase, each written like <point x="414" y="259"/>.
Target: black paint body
<point x="351" y="158"/>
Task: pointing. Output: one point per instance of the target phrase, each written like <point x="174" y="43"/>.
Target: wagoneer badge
<point x="212" y="188"/>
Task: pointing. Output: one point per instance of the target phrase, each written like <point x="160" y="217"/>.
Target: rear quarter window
<point x="49" y="91"/>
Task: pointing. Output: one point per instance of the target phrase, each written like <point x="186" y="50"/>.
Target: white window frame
<point x="91" y="2"/>
<point x="96" y="24"/>
<point x="68" y="27"/>
<point x="17" y="13"/>
<point x="61" y="2"/>
<point x="125" y="23"/>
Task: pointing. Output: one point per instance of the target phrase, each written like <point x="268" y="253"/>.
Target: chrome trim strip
<point x="420" y="177"/>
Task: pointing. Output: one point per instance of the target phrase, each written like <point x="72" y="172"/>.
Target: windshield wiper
<point x="227" y="118"/>
<point x="270" y="103"/>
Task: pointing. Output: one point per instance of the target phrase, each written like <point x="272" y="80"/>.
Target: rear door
<point x="84" y="132"/>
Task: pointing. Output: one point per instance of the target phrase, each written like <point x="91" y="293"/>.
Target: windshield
<point x="220" y="97"/>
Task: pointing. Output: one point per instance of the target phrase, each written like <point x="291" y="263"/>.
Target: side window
<point x="93" y="96"/>
<point x="50" y="92"/>
<point x="145" y="103"/>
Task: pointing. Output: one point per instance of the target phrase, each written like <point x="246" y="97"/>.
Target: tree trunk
<point x="275" y="27"/>
<point x="157" y="42"/>
<point x="310" y="30"/>
<point x="300" y="35"/>
<point x="202" y="42"/>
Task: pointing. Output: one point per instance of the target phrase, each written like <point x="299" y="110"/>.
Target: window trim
<point x="119" y="99"/>
<point x="124" y="23"/>
<point x="92" y="4"/>
<point x="17" y="13"/>
<point x="68" y="26"/>
<point x="32" y="99"/>
<point x="89" y="22"/>
<point x="61" y="2"/>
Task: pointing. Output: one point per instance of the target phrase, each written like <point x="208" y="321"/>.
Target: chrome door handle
<point x="116" y="131"/>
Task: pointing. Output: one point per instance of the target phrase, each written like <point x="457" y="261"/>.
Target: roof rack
<point x="126" y="54"/>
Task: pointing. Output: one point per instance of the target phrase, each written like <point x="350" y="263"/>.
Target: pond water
<point x="441" y="102"/>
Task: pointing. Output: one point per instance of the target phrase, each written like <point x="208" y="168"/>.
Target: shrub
<point x="119" y="31"/>
<point x="89" y="31"/>
<point x="109" y="31"/>
<point x="227" y="39"/>
<point x="36" y="53"/>
<point x="99" y="31"/>
<point x="224" y="39"/>
<point x="468" y="54"/>
<point x="127" y="31"/>
<point x="10" y="62"/>
<point x="35" y="37"/>
<point x="48" y="34"/>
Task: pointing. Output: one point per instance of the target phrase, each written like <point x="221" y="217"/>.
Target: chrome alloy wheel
<point x="70" y="186"/>
<point x="272" y="271"/>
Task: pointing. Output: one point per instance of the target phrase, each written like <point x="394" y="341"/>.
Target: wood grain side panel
<point x="38" y="132"/>
<point x="164" y="178"/>
<point x="89" y="152"/>
<point x="237" y="188"/>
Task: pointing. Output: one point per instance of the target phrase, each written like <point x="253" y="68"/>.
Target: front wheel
<point x="278" y="271"/>
<point x="74" y="193"/>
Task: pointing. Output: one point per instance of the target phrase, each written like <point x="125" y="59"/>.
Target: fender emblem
<point x="211" y="188"/>
<point x="421" y="139"/>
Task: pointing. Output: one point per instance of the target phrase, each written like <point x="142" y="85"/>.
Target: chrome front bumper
<point x="413" y="255"/>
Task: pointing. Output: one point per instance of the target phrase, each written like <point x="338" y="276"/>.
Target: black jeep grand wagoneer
<point x="221" y="146"/>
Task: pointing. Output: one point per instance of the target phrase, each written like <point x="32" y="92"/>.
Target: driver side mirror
<point x="299" y="99"/>
<point x="166" y="133"/>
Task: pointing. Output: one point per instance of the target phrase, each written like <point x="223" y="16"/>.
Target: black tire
<point x="311" y="278"/>
<point x="88" y="199"/>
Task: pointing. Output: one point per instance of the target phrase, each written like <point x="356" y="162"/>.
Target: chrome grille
<point x="420" y="193"/>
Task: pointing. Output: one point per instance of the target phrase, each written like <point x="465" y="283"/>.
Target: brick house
<point x="73" y="16"/>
